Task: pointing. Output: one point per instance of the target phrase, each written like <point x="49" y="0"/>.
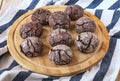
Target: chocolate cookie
<point x="41" y="15"/>
<point x="60" y="36"/>
<point x="59" y="20"/>
<point x="60" y="54"/>
<point x="32" y="47"/>
<point x="74" y="11"/>
<point x="31" y="29"/>
<point x="86" y="42"/>
<point x="85" y="24"/>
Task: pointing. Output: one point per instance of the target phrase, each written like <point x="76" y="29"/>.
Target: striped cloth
<point x="106" y="70"/>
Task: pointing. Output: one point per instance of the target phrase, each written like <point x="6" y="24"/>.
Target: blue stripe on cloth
<point x="98" y="13"/>
<point x="117" y="35"/>
<point x="116" y="5"/>
<point x="21" y="76"/>
<point x="106" y="61"/>
<point x="71" y="2"/>
<point x="51" y="78"/>
<point x="51" y="3"/>
<point x="18" y="14"/>
<point x="115" y="18"/>
<point x="2" y="44"/>
<point x="77" y="77"/>
<point x="94" y="4"/>
<point x="13" y="64"/>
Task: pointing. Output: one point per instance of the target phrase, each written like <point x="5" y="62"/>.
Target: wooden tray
<point x="42" y="64"/>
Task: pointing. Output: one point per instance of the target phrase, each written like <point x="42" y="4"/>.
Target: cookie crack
<point x="33" y="46"/>
<point x="83" y="24"/>
<point x="81" y="41"/>
<point x="67" y="54"/>
<point x="28" y="52"/>
<point x="89" y="43"/>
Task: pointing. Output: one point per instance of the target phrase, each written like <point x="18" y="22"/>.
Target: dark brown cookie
<point x="32" y="47"/>
<point x="85" y="24"/>
<point x="60" y="54"/>
<point x="31" y="29"/>
<point x="86" y="42"/>
<point x="74" y="11"/>
<point x="41" y="15"/>
<point x="60" y="36"/>
<point x="59" y="20"/>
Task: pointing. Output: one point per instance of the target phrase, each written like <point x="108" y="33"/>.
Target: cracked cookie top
<point x="41" y="15"/>
<point x="85" y="24"/>
<point x="31" y="47"/>
<point x="60" y="54"/>
<point x="86" y="42"/>
<point x="31" y="29"/>
<point x="59" y="20"/>
<point x="74" y="11"/>
<point x="60" y="36"/>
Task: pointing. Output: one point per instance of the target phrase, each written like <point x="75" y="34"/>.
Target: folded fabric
<point x="106" y="70"/>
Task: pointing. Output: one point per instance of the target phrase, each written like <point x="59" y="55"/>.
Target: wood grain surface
<point x="1" y="1"/>
<point x="42" y="64"/>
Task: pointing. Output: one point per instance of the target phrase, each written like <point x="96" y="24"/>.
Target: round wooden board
<point x="42" y="64"/>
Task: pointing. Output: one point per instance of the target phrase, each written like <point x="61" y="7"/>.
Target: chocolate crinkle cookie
<point x="60" y="54"/>
<point x="59" y="20"/>
<point x="85" y="24"/>
<point x="86" y="42"/>
<point x="60" y="36"/>
<point x="74" y="11"/>
<point x="41" y="15"/>
<point x="32" y="47"/>
<point x="31" y="29"/>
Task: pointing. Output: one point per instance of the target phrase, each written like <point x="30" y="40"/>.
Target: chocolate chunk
<point x="85" y="24"/>
<point x="59" y="20"/>
<point x="60" y="54"/>
<point x="86" y="42"/>
<point x="31" y="29"/>
<point x="31" y="47"/>
<point x="60" y="36"/>
<point x="41" y="15"/>
<point x="74" y="11"/>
